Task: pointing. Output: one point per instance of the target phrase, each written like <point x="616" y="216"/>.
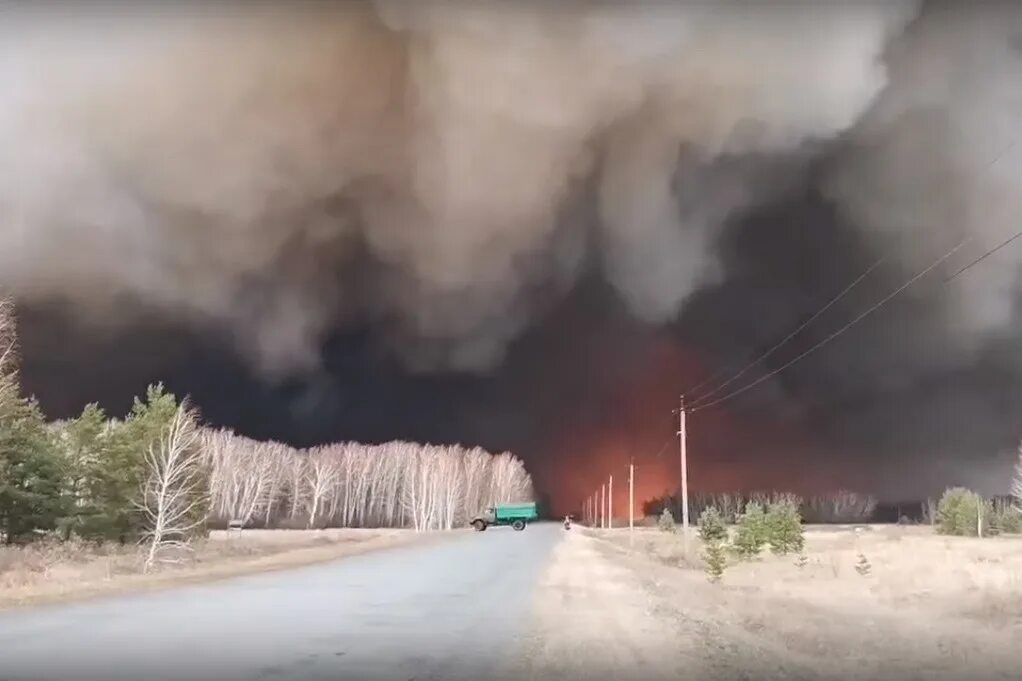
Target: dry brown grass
<point x="928" y="605"/>
<point x="51" y="571"/>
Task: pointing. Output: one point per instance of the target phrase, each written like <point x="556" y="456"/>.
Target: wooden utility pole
<point x="603" y="506"/>
<point x="631" y="495"/>
<point x="610" y="503"/>
<point x="682" y="437"/>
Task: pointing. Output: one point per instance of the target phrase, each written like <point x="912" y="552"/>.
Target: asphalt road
<point x="451" y="609"/>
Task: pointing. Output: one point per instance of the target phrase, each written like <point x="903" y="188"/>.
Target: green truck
<point x="515" y="515"/>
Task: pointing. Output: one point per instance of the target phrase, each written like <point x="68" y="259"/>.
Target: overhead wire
<point x="841" y="330"/>
<point x="1008" y="147"/>
<point x="700" y="401"/>
<point x="719" y="373"/>
<point x="984" y="256"/>
<point x="833" y="301"/>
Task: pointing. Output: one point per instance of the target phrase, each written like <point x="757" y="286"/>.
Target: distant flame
<point x="725" y="453"/>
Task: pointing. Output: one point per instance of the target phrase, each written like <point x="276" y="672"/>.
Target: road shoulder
<point x="262" y="555"/>
<point x="593" y="620"/>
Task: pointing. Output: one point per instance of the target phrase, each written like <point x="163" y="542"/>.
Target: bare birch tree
<point x="322" y="473"/>
<point x="450" y="481"/>
<point x="242" y="474"/>
<point x="278" y="455"/>
<point x="1016" y="485"/>
<point x="396" y="484"/>
<point x="294" y="476"/>
<point x="415" y="491"/>
<point x="8" y="337"/>
<point x="478" y="473"/>
<point x="509" y="482"/>
<point x="174" y="499"/>
<point x="8" y="351"/>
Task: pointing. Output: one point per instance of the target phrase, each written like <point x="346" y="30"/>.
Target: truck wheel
<point x="519" y="525"/>
<point x="480" y="525"/>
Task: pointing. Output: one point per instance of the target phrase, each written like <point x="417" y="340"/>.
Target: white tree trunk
<point x="175" y="491"/>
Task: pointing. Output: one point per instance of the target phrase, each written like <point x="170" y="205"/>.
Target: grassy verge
<point x="873" y="602"/>
<point x="55" y="572"/>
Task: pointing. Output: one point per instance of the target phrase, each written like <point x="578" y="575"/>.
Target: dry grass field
<point x="45" y="572"/>
<point x="880" y="602"/>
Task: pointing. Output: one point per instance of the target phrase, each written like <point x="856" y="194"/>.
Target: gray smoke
<point x="938" y="157"/>
<point x="443" y="170"/>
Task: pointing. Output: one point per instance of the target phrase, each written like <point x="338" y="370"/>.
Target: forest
<point x="160" y="476"/>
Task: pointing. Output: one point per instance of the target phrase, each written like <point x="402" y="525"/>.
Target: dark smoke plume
<point x="241" y="165"/>
<point x="448" y="177"/>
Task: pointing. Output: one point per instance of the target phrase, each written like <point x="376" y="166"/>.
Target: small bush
<point x="959" y="513"/>
<point x="713" y="532"/>
<point x="711" y="526"/>
<point x="862" y="566"/>
<point x="666" y="521"/>
<point x="714" y="559"/>
<point x="752" y="531"/>
<point x="784" y="527"/>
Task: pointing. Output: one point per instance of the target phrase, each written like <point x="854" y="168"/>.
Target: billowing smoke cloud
<point x="444" y="170"/>
<point x="938" y="158"/>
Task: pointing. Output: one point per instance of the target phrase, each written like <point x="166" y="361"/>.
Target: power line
<point x="840" y="331"/>
<point x="779" y="344"/>
<point x="984" y="256"/>
<point x="663" y="447"/>
<point x="1008" y="147"/>
<point x="713" y="377"/>
<point x="701" y="400"/>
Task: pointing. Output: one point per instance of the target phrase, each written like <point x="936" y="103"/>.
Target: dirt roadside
<point x="603" y="612"/>
<point x="593" y="620"/>
<point x="248" y="555"/>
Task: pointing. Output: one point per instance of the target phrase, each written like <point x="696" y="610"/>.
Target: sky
<point x="532" y="229"/>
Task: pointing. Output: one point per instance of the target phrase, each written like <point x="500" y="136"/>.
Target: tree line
<point x="842" y="506"/>
<point x="160" y="477"/>
<point x="397" y="484"/>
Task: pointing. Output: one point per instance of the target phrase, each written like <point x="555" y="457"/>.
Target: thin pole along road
<point x="449" y="609"/>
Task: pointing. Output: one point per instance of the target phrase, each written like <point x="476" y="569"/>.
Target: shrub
<point x="784" y="527"/>
<point x="713" y="532"/>
<point x="752" y="531"/>
<point x="714" y="559"/>
<point x="711" y="526"/>
<point x="666" y="521"/>
<point x="959" y="513"/>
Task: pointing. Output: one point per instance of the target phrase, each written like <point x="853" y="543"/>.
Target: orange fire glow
<point x="725" y="453"/>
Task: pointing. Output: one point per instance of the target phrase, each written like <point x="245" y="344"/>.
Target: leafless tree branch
<point x="174" y="500"/>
